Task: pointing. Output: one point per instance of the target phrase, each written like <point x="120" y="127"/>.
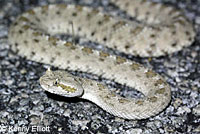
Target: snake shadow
<point x="62" y="98"/>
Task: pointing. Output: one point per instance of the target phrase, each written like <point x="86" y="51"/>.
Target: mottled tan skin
<point x="162" y="30"/>
<point x="156" y="91"/>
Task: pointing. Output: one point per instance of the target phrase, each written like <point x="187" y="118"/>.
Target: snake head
<point x="61" y="83"/>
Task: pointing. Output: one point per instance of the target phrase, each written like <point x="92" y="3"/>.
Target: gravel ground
<point x="23" y="104"/>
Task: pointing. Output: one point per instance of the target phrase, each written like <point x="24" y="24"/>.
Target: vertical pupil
<point x="56" y="82"/>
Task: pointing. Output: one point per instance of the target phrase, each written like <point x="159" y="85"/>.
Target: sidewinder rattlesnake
<point x="160" y="30"/>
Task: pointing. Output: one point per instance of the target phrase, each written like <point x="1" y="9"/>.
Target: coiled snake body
<point x="160" y="30"/>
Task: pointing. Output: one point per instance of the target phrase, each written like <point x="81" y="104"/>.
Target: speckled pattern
<point x="27" y="36"/>
<point x="24" y="103"/>
<point x="157" y="93"/>
<point x="162" y="29"/>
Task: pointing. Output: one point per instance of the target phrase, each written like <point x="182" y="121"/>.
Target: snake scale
<point x="159" y="30"/>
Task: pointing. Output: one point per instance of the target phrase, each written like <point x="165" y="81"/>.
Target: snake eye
<point x="56" y="82"/>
